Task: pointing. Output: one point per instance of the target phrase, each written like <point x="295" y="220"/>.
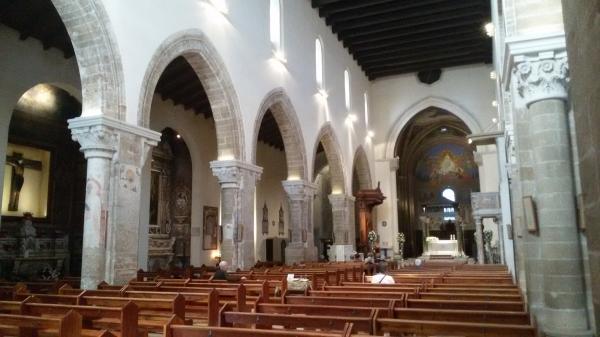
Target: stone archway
<point x="199" y="52"/>
<point x="360" y="167"/>
<point x="278" y="102"/>
<point x="333" y="153"/>
<point x="97" y="54"/>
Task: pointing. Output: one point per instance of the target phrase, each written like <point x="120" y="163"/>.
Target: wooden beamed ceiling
<point x="180" y="84"/>
<point x="37" y="19"/>
<point x="269" y="132"/>
<point x="389" y="37"/>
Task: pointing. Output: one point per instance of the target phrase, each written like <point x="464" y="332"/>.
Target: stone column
<point x="342" y="207"/>
<point x="115" y="153"/>
<point x="301" y="246"/>
<point x="238" y="184"/>
<point x="479" y="239"/>
<point x="541" y="81"/>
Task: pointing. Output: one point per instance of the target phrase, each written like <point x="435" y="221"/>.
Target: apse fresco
<point x="446" y="166"/>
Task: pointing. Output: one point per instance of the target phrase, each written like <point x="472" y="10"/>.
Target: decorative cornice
<point x="340" y="201"/>
<point x="87" y="121"/>
<point x="96" y="141"/>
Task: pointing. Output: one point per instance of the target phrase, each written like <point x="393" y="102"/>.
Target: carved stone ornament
<point x="298" y="189"/>
<point x="231" y="172"/>
<point x="541" y="78"/>
<point x="96" y="140"/>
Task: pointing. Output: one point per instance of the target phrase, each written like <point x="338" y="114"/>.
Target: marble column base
<point x="340" y="252"/>
<point x="294" y="253"/>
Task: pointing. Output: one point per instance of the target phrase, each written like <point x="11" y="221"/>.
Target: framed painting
<point x="210" y="236"/>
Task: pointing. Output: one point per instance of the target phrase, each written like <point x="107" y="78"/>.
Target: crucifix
<point x="19" y="164"/>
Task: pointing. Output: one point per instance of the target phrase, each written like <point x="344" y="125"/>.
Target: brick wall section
<point x="582" y="28"/>
<point x="206" y="62"/>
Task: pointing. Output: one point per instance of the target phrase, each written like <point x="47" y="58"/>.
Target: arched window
<point x="319" y="62"/>
<point x="347" y="88"/>
<point x="275" y="25"/>
<point x="449" y="194"/>
<point x="366" y="98"/>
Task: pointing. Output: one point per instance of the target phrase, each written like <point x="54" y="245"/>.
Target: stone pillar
<point x="301" y="246"/>
<point x="541" y="81"/>
<point x="479" y="239"/>
<point x="342" y="207"/>
<point x="238" y="184"/>
<point x="115" y="153"/>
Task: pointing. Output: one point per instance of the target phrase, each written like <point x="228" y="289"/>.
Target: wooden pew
<point x="317" y="322"/>
<point x="464" y="305"/>
<point x="443" y="328"/>
<point x="174" y="329"/>
<point x="452" y="315"/>
<point x="124" y="319"/>
<point x="68" y="325"/>
<point x="359" y="294"/>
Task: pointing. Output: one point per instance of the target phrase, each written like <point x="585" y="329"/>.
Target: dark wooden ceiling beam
<point x="391" y="43"/>
<point x="444" y="28"/>
<point x="421" y="44"/>
<point x="476" y="47"/>
<point x="378" y="73"/>
<point x="391" y="17"/>
<point x="172" y="83"/>
<point x="185" y="91"/>
<point x="462" y="53"/>
<point x="347" y="5"/>
<point x="473" y="15"/>
<point x="366" y="9"/>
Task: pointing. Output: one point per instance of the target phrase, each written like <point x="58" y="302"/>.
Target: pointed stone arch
<point x="97" y="54"/>
<point x="199" y="52"/>
<point x="361" y="167"/>
<point x="278" y="102"/>
<point x="333" y="153"/>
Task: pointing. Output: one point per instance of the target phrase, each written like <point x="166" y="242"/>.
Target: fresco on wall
<point x="446" y="166"/>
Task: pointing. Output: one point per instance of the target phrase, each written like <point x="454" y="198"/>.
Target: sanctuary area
<point x="194" y="168"/>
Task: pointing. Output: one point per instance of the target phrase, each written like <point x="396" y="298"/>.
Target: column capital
<point x="542" y="76"/>
<point x="231" y="172"/>
<point x="100" y="136"/>
<point x="298" y="189"/>
<point x="340" y="201"/>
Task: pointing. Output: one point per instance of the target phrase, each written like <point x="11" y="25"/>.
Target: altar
<point x="436" y="246"/>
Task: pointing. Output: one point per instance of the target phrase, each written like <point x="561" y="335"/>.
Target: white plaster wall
<point x="200" y="137"/>
<point x="242" y="39"/>
<point x="269" y="190"/>
<point x="466" y="91"/>
<point x="24" y="63"/>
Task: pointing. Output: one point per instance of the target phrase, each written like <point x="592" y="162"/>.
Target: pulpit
<point x="366" y="200"/>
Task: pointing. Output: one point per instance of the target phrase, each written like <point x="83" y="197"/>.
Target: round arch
<point x="97" y="54"/>
<point x="333" y="152"/>
<point x="278" y="102"/>
<point x="210" y="69"/>
<point x="360" y="165"/>
<point x="463" y="114"/>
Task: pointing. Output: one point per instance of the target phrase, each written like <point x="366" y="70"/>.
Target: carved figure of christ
<point x="19" y="164"/>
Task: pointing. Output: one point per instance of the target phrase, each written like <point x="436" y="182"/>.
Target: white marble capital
<point x="298" y="190"/>
<point x="542" y="76"/>
<point x="230" y="173"/>
<point x="340" y="201"/>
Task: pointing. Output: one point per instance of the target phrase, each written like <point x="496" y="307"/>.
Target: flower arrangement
<point x="401" y="238"/>
<point x="372" y="236"/>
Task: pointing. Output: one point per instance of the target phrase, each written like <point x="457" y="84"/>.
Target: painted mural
<point x="446" y="166"/>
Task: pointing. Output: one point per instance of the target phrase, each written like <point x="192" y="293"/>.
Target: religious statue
<point x="265" y="220"/>
<point x="18" y="164"/>
<point x="281" y="222"/>
<point x="28" y="234"/>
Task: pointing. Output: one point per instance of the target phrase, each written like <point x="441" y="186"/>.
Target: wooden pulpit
<point x="366" y="200"/>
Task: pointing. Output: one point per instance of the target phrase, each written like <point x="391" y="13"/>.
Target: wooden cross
<point x="19" y="164"/>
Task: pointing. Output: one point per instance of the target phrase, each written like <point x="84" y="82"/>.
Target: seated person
<point x="369" y="265"/>
<point x="221" y="273"/>
<point x="382" y="277"/>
